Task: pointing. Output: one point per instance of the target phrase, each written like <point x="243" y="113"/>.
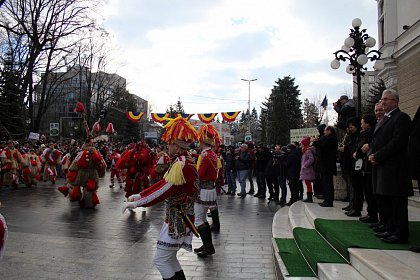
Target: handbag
<point x="358" y="165"/>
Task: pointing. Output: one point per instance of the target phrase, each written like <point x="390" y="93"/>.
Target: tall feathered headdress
<point x="209" y="135"/>
<point x="179" y="131"/>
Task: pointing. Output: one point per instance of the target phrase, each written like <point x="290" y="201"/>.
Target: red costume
<point x="179" y="189"/>
<point x="113" y="158"/>
<point x="139" y="162"/>
<point x="51" y="158"/>
<point x="83" y="177"/>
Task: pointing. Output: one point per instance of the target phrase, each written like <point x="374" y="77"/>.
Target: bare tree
<point x="101" y="83"/>
<point x="43" y="33"/>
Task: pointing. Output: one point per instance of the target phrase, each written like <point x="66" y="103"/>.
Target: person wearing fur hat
<point x="32" y="168"/>
<point x="162" y="165"/>
<point x="51" y="158"/>
<point x="113" y="158"/>
<point x="179" y="189"/>
<point x="207" y="173"/>
<point x="139" y="162"/>
<point x="83" y="176"/>
<point x="10" y="160"/>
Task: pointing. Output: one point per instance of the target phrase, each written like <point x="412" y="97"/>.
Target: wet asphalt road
<point x="51" y="238"/>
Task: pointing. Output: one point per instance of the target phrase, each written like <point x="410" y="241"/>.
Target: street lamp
<point x="356" y="51"/>
<point x="249" y="101"/>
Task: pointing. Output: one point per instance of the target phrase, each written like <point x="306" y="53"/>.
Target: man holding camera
<point x="345" y="109"/>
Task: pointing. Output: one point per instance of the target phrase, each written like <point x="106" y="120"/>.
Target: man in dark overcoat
<point x="391" y="180"/>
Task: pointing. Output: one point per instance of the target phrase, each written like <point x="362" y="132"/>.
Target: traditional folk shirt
<point x="207" y="173"/>
<point x="179" y="188"/>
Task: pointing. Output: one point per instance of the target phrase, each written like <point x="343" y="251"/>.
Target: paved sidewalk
<point x="51" y="238"/>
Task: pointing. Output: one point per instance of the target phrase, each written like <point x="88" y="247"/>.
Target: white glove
<point x="134" y="197"/>
<point x="128" y="205"/>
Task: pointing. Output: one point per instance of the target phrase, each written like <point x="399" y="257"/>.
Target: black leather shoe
<point x="242" y="194"/>
<point x="375" y="225"/>
<point x="415" y="248"/>
<point x="383" y="234"/>
<point x="381" y="228"/>
<point x="199" y="249"/>
<point x="257" y="194"/>
<point x="250" y="192"/>
<point x="368" y="219"/>
<point x="325" y="204"/>
<point x="347" y="208"/>
<point x="354" y="213"/>
<point x="393" y="239"/>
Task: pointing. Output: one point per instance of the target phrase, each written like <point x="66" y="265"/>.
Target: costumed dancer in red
<point x="162" y="165"/>
<point x="179" y="188"/>
<point x="51" y="157"/>
<point x="113" y="158"/>
<point x="3" y="234"/>
<point x="139" y="162"/>
<point x="207" y="173"/>
<point x="31" y="168"/>
<point x="10" y="160"/>
<point x="83" y="176"/>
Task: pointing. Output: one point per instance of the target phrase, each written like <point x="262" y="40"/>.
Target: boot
<point x="215" y="226"/>
<point x="180" y="275"/>
<point x="308" y="197"/>
<point x="205" y="234"/>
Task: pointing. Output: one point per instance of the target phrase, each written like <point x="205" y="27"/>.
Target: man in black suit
<point x="391" y="180"/>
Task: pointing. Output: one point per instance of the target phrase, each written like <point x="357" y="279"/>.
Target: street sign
<point x="33" y="136"/>
<point x="54" y="129"/>
<point x="150" y="134"/>
<point x="296" y="135"/>
<point x="248" y="137"/>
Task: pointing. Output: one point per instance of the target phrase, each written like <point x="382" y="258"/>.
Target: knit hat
<point x="209" y="135"/>
<point x="306" y="141"/>
<point x="179" y="131"/>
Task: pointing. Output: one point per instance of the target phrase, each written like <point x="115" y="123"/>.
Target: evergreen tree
<point x="176" y="108"/>
<point x="375" y="93"/>
<point x="310" y="114"/>
<point x="283" y="109"/>
<point x="13" y="113"/>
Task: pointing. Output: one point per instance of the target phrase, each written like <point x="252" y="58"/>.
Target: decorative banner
<point x="207" y="118"/>
<point x="230" y="116"/>
<point x="185" y="116"/>
<point x="160" y="118"/>
<point x="134" y="116"/>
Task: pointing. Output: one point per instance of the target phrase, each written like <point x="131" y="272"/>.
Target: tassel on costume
<point x="75" y="194"/>
<point x="95" y="199"/>
<point x="64" y="190"/>
<point x="90" y="185"/>
<point x="175" y="176"/>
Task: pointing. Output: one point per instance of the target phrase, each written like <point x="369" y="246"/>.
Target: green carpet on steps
<point x="292" y="258"/>
<point x="315" y="249"/>
<point x="344" y="234"/>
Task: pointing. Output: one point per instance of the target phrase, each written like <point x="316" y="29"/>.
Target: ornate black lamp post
<point x="356" y="51"/>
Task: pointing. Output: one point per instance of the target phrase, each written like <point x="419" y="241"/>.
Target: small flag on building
<point x="324" y="103"/>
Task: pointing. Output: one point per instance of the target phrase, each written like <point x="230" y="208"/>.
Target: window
<point x="371" y="79"/>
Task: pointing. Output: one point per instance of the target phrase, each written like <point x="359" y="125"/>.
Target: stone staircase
<point x="363" y="264"/>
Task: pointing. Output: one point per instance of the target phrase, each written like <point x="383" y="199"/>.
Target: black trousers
<point x="328" y="187"/>
<point x="394" y="213"/>
<point x="357" y="197"/>
<point x="372" y="206"/>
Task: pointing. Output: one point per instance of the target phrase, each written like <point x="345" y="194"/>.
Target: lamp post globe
<point x="356" y="50"/>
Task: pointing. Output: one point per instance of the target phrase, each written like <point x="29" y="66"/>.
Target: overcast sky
<point x="200" y="50"/>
